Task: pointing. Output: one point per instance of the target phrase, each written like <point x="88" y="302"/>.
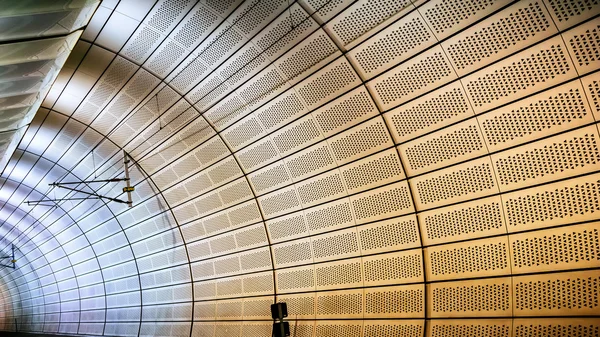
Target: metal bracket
<point x="128" y="188"/>
<point x="92" y="195"/>
<point x="13" y="261"/>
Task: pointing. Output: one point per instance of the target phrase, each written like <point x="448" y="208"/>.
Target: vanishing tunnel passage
<point x="385" y="167"/>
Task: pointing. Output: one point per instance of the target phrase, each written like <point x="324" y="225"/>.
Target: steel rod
<point x="112" y="180"/>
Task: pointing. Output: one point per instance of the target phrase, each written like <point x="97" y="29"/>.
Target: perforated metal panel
<point x="430" y="112"/>
<point x="389" y="235"/>
<point x="388" y="328"/>
<point x="393" y="268"/>
<point x="414" y="77"/>
<point x="480" y="327"/>
<point x="542" y="295"/>
<point x="539" y="67"/>
<point x="398" y="42"/>
<point x="568" y="13"/>
<point x="553" y="204"/>
<point x="499" y="35"/>
<point x="363" y="16"/>
<point x="555" y="249"/>
<point x="582" y="42"/>
<point x="386" y="168"/>
<point x="487" y="297"/>
<point x="338" y="328"/>
<point x="530" y="118"/>
<point x="457" y="183"/>
<point x="454" y="144"/>
<point x="449" y="17"/>
<point x="479" y="218"/>
<point x="555" y="327"/>
<point x="543" y="165"/>
<point x="471" y="259"/>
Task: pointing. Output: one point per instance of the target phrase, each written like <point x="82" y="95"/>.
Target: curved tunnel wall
<point x="384" y="167"/>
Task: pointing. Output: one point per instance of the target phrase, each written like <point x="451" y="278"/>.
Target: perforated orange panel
<point x="385" y="167"/>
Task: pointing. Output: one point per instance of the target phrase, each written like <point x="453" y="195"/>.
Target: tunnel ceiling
<point x="385" y="167"/>
<point x="35" y="40"/>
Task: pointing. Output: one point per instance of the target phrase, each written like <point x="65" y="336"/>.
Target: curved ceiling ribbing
<point x="406" y="167"/>
<point x="35" y="40"/>
<point x="67" y="244"/>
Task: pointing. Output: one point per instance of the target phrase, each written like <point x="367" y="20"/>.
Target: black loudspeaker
<point x="281" y="329"/>
<point x="279" y="311"/>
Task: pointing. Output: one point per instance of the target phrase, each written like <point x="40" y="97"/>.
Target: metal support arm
<point x="94" y="194"/>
